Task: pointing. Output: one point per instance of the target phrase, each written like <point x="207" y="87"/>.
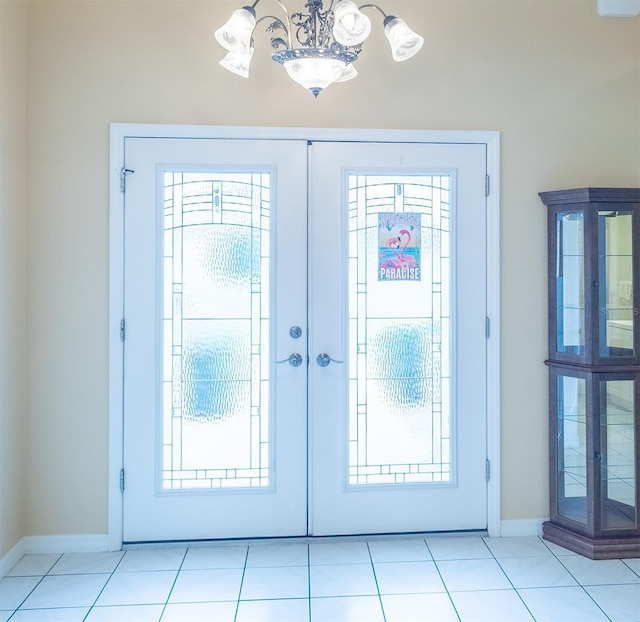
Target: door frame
<point x="120" y="131"/>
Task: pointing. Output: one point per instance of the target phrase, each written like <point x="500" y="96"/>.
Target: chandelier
<point x="329" y="41"/>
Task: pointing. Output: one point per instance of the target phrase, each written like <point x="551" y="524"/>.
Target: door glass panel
<point x="399" y="329"/>
<point x="616" y="303"/>
<point x="618" y="467"/>
<point x="215" y="330"/>
<point x="572" y="449"/>
<point x="570" y="282"/>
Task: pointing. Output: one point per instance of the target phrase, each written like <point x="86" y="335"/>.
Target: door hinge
<point x="122" y="330"/>
<point x="488" y="469"/>
<point x="487" y="327"/>
<point x="121" y="480"/>
<point x="123" y="177"/>
<point x="487" y="185"/>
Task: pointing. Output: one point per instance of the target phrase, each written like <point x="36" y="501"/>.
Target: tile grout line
<point x="580" y="585"/>
<point x="103" y="587"/>
<point x="375" y="578"/>
<point x="624" y="561"/>
<point x="515" y="589"/>
<point x="34" y="587"/>
<point x="164" y="607"/>
<point x="244" y="569"/>
<point x="435" y="563"/>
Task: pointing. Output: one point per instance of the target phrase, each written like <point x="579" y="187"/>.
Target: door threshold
<point x="302" y="539"/>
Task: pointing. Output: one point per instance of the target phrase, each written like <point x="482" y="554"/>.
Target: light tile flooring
<point x="433" y="579"/>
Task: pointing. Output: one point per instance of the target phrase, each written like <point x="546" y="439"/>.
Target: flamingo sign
<point x="398" y="247"/>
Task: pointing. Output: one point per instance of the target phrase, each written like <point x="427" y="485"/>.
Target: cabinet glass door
<point x="617" y="455"/>
<point x="570" y="298"/>
<point x="615" y="267"/>
<point x="571" y="471"/>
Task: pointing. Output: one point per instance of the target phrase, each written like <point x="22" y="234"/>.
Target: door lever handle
<point x="295" y="360"/>
<point x="324" y="359"/>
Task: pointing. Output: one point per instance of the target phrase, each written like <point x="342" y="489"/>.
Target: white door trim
<point x="120" y="131"/>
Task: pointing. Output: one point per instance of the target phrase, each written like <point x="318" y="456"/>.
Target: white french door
<point x="305" y="347"/>
<point x="398" y="429"/>
<point x="214" y="278"/>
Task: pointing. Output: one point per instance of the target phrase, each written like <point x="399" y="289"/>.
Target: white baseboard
<point x="526" y="527"/>
<point x="33" y="545"/>
<point x="66" y="544"/>
<point x="8" y="561"/>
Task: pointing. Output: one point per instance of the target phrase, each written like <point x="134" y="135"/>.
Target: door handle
<point x="295" y="360"/>
<point x="324" y="359"/>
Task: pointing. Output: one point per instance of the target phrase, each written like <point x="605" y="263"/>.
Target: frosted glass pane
<point x="216" y="349"/>
<point x="224" y="408"/>
<point x="215" y="330"/>
<point x="398" y="429"/>
<point x="399" y="349"/>
<point x="217" y="260"/>
<point x="206" y="400"/>
<point x="399" y="341"/>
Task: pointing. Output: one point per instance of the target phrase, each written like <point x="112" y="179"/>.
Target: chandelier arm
<point x="277" y="19"/>
<point x="373" y="6"/>
<point x="324" y="26"/>
<point x="305" y="23"/>
<point x="287" y="29"/>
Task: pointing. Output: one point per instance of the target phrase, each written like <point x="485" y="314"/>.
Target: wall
<point x="12" y="268"/>
<point x="559" y="82"/>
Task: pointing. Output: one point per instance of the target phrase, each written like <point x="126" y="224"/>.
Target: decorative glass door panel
<point x="216" y="330"/>
<point x="399" y="329"/>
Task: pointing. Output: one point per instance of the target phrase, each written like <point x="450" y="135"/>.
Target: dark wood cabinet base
<point x="594" y="548"/>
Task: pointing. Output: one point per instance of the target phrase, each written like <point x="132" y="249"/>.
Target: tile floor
<point x="434" y="579"/>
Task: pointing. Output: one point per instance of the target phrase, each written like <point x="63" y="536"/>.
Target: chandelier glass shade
<point x="328" y="41"/>
<point x="404" y="42"/>
<point x="238" y="62"/>
<point x="351" y="26"/>
<point x="235" y="35"/>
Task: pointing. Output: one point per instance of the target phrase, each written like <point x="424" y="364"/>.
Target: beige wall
<point x="12" y="268"/>
<point x="561" y="84"/>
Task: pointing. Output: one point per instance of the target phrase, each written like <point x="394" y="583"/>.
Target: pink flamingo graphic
<point x="399" y="261"/>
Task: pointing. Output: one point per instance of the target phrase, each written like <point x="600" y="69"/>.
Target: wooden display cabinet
<point x="594" y="370"/>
